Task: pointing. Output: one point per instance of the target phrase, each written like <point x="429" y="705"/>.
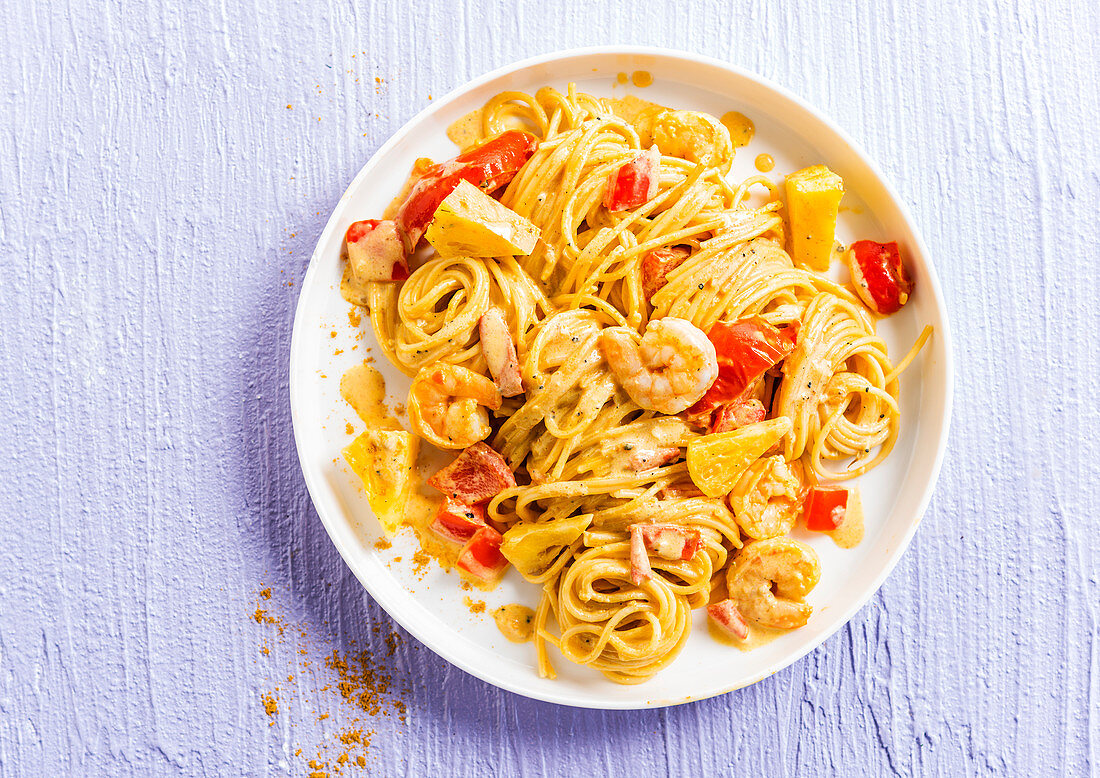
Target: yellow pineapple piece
<point x="813" y="201"/>
<point x="384" y="460"/>
<point x="470" y="223"/>
<point x="532" y="548"/>
<point x="717" y="462"/>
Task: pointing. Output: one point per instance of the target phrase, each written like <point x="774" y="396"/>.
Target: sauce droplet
<point x="641" y="78"/>
<point x="740" y="126"/>
<point x="622" y="78"/>
<point x="765" y="163"/>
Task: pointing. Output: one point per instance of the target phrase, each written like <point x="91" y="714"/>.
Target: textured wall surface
<point x="164" y="175"/>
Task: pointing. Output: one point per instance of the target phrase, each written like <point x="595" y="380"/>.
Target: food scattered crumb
<point x="365" y="686"/>
<point x="382" y="544"/>
<point x="354" y="319"/>
<point x="475" y="606"/>
<point x="421" y="560"/>
<point x="348" y="428"/>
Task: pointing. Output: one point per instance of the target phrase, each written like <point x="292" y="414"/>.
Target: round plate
<point x="430" y="603"/>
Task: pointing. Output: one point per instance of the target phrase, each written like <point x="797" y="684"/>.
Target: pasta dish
<point x="650" y="387"/>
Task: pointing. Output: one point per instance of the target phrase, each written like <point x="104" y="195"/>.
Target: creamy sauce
<point x="631" y="450"/>
<point x="622" y="78"/>
<point x="465" y="132"/>
<point x="740" y="126"/>
<point x="515" y="622"/>
<point x="629" y="107"/>
<point x="421" y="164"/>
<point x="850" y="532"/>
<point x="765" y="163"/>
<point x="641" y="78"/>
<point x="758" y="636"/>
<point x="364" y="389"/>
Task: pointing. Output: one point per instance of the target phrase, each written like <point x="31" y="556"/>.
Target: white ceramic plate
<point x="431" y="605"/>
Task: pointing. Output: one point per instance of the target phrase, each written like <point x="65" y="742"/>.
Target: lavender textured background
<point x="158" y="196"/>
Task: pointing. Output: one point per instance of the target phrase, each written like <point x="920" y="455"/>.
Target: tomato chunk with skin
<point x="489" y="167"/>
<point x="458" y="521"/>
<point x="375" y="251"/>
<point x="657" y="264"/>
<point x="826" y="508"/>
<point x="746" y="349"/>
<point x="477" y="475"/>
<point x="737" y="414"/>
<point x="670" y="541"/>
<point x="728" y="619"/>
<point x="481" y="557"/>
<point x="648" y="458"/>
<point x="879" y="276"/>
<point x="635" y="182"/>
<point x="640" y="569"/>
<point x="499" y="350"/>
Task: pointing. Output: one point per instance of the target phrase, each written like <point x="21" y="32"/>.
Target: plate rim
<point x="932" y="284"/>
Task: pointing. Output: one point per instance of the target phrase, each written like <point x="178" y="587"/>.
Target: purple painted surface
<point x="158" y="196"/>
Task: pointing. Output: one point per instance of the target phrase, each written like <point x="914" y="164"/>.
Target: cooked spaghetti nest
<point x="572" y="435"/>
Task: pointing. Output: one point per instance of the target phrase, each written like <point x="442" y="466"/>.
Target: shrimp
<point x="693" y="136"/>
<point x="669" y="370"/>
<point x="765" y="501"/>
<point x="769" y="578"/>
<point x="447" y="405"/>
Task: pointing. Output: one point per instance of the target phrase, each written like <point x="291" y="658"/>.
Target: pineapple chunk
<point x="384" y="460"/>
<point x="532" y="548"/>
<point x="717" y="462"/>
<point x="470" y="223"/>
<point x="813" y="200"/>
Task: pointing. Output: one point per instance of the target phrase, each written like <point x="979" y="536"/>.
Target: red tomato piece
<point x="489" y="166"/>
<point x="826" y="507"/>
<point x="737" y="414"/>
<point x="375" y="251"/>
<point x="499" y="351"/>
<point x="678" y="490"/>
<point x="481" y="556"/>
<point x="728" y="619"/>
<point x="640" y="570"/>
<point x="878" y="275"/>
<point x="657" y="264"/>
<point x="671" y="541"/>
<point x="458" y="521"/>
<point x="648" y="458"/>
<point x="478" y="474"/>
<point x="634" y="183"/>
<point x="746" y="348"/>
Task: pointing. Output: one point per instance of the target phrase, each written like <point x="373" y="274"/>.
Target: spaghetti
<point x="598" y="470"/>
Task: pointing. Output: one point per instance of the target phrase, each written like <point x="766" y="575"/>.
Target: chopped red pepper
<point x="375" y="251"/>
<point x="657" y="264"/>
<point x="878" y="275"/>
<point x="489" y="166"/>
<point x="737" y="414"/>
<point x="634" y="183"/>
<point x="481" y="556"/>
<point x="826" y="508"/>
<point x="458" y="521"/>
<point x="746" y="349"/>
<point x="728" y="619"/>
<point x="478" y="474"/>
